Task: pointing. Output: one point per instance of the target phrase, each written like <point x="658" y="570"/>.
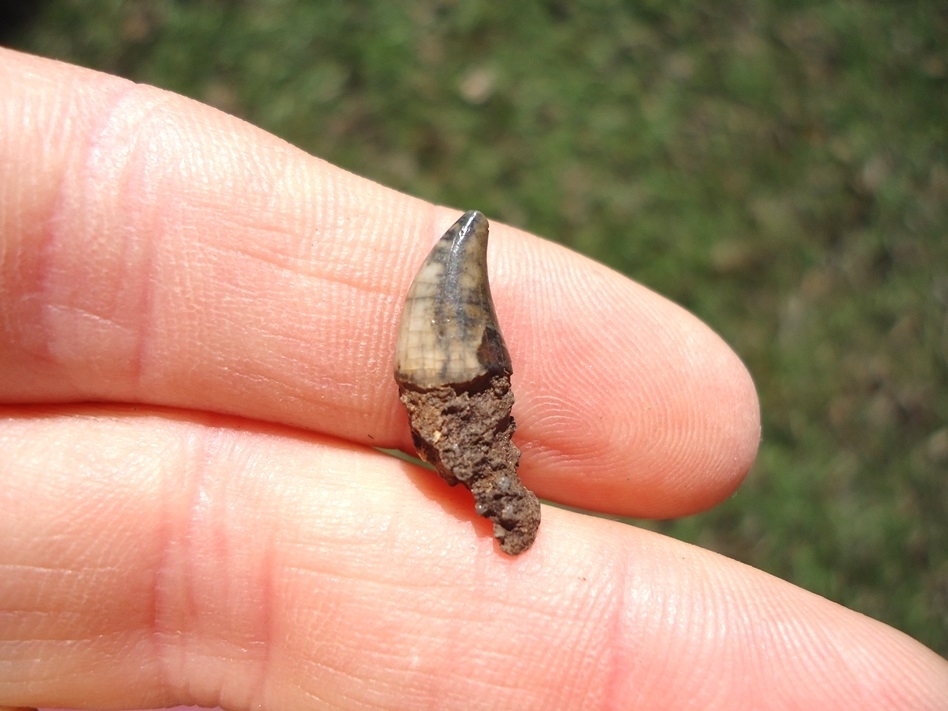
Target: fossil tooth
<point x="449" y="331"/>
<point x="453" y="373"/>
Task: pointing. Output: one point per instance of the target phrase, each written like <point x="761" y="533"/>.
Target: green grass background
<point x="779" y="168"/>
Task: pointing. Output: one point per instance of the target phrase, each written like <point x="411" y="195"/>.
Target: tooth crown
<point x="449" y="332"/>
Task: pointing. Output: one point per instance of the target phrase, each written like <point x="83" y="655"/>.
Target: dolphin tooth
<point x="453" y="373"/>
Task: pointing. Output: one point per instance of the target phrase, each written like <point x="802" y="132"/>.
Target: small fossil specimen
<point x="453" y="373"/>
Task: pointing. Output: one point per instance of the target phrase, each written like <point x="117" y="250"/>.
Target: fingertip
<point x="626" y="402"/>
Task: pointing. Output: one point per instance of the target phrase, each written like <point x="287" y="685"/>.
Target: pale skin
<point x="198" y="323"/>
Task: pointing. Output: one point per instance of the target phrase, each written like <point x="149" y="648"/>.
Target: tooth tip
<point x="473" y="219"/>
<point x="469" y="233"/>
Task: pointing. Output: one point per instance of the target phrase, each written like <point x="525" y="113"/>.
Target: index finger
<point x="160" y="251"/>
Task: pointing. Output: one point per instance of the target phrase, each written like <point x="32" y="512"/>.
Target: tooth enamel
<point x="453" y="373"/>
<point x="449" y="331"/>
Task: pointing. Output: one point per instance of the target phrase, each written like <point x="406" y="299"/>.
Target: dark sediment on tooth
<point x="464" y="431"/>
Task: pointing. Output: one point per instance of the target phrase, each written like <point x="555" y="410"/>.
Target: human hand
<point x="198" y="323"/>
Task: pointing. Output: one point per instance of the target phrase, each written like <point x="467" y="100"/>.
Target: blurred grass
<point x="779" y="168"/>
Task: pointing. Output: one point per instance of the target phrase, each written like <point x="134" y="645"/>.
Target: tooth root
<point x="453" y="372"/>
<point x="449" y="331"/>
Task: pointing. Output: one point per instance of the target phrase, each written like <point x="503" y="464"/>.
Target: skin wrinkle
<point x="261" y="644"/>
<point x="147" y="317"/>
<point x="182" y="609"/>
<point x="152" y="234"/>
<point x="90" y="175"/>
<point x="170" y="543"/>
<point x="204" y="527"/>
<point x="41" y="347"/>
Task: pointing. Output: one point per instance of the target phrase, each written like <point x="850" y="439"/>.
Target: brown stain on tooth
<point x="453" y="372"/>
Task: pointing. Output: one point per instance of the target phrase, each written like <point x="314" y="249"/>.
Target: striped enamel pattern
<point x="449" y="332"/>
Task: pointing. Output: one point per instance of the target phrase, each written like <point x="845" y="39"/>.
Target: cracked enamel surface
<point x="449" y="331"/>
